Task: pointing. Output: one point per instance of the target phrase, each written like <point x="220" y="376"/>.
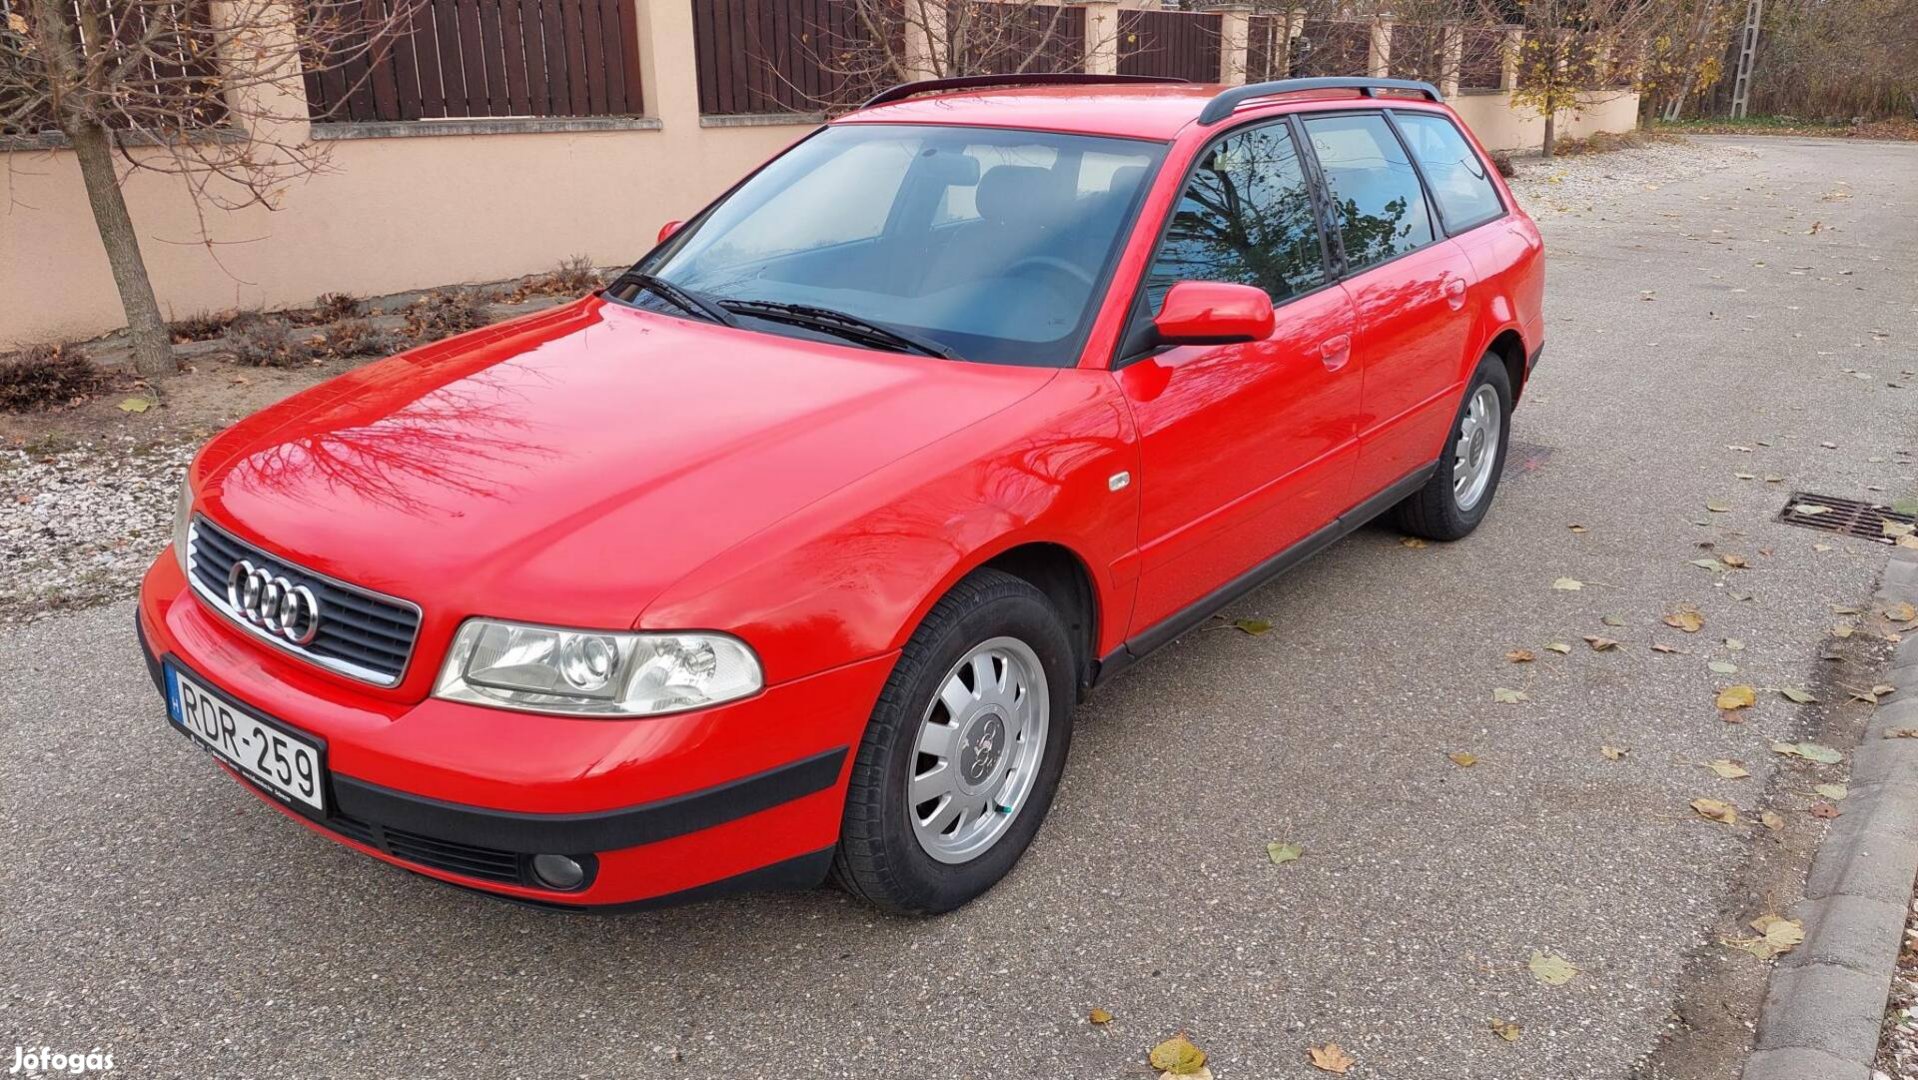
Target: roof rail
<point x="1222" y="106"/>
<point x="973" y="82"/>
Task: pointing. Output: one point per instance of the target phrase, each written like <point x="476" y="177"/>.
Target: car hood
<point x="569" y="465"/>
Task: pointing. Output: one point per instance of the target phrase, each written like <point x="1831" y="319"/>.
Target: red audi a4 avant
<point x="788" y="555"/>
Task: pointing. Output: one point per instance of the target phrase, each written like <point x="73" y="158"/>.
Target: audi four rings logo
<point x="273" y="603"/>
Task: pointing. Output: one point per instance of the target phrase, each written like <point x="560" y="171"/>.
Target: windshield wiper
<point x="840" y="324"/>
<point x="684" y="299"/>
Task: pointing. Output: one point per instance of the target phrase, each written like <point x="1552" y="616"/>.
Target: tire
<point x="883" y="857"/>
<point x="1436" y="511"/>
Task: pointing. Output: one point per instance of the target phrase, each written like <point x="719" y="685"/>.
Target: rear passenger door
<point x="1408" y="285"/>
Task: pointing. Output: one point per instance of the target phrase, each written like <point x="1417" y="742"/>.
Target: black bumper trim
<point x="605" y="830"/>
<point x="797" y="874"/>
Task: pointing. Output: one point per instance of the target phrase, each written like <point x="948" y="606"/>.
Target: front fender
<point x="852" y="575"/>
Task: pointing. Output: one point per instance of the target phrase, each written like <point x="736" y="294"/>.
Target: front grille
<point x="362" y="634"/>
<point x="486" y="864"/>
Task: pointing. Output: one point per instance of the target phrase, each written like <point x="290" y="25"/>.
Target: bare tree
<point x="1684" y="52"/>
<point x="188" y="88"/>
<point x="896" y="41"/>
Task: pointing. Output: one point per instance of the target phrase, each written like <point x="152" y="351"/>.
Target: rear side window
<point x="1380" y="206"/>
<point x="1245" y="217"/>
<point x="1453" y="171"/>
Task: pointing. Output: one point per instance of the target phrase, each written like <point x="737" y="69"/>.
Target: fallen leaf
<point x="1687" y="619"/>
<point x="1331" y="1058"/>
<point x="1714" y="810"/>
<point x="1507" y="696"/>
<point x="1810" y="509"/>
<point x="1770" y="820"/>
<point x="1734" y="644"/>
<point x="1559" y="647"/>
<point x="1842" y="630"/>
<point x="1614" y="753"/>
<point x="1282" y="853"/>
<point x="1901" y="613"/>
<point x="1727" y="769"/>
<point x="1824" y="810"/>
<point x="1736" y="562"/>
<point x="1901" y="733"/>
<point x="1776" y="937"/>
<point x="1659" y="646"/>
<point x="1612" y="620"/>
<point x="1834" y="792"/>
<point x="1521" y="656"/>
<point x="1254" y="627"/>
<point x="1745" y="476"/>
<point x="1719" y="507"/>
<point x="1576" y="528"/>
<point x="1177" y="1056"/>
<point x="1463" y="759"/>
<point x="1709" y="564"/>
<point x="1810" y="751"/>
<point x="1600" y="644"/>
<point x="1551" y="968"/>
<point x="1737" y="697"/>
<point x="1505" y="1029"/>
<point x="135" y="405"/>
<point x="1568" y="584"/>
<point x="1723" y="668"/>
<point x="1792" y="693"/>
<point x="1099" y="1016"/>
<point x="1411" y="542"/>
<point x="1774" y="478"/>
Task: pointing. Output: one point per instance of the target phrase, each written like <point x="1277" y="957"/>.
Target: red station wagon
<point x="789" y="554"/>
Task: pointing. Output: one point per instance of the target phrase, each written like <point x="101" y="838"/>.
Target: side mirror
<point x="668" y="230"/>
<point x="1213" y="313"/>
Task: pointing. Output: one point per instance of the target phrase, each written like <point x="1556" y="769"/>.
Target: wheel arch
<point x="1509" y="346"/>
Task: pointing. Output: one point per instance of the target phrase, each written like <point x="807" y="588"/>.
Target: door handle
<point x="1454" y="289"/>
<point x="1335" y="351"/>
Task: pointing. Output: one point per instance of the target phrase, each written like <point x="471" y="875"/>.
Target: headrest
<point x="1013" y="193"/>
<point x="1125" y="179"/>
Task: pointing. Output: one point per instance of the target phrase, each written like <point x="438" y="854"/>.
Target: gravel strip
<point x="80" y="528"/>
<point x="1586" y="184"/>
<point x="1898" y="1044"/>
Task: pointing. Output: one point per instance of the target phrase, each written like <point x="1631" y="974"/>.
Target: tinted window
<point x="992" y="243"/>
<point x="1246" y="217"/>
<point x="1381" y="208"/>
<point x="1453" y="170"/>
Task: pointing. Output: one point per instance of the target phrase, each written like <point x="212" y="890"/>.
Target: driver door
<point x="1245" y="449"/>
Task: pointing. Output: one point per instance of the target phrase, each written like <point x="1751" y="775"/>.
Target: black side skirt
<point x="1173" y="626"/>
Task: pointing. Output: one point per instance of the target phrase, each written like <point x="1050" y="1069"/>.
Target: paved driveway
<point x="154" y="909"/>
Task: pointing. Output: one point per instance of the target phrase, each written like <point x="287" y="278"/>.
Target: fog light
<point x="558" y="871"/>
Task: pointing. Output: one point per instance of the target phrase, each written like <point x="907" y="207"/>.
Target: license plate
<point x="269" y="755"/>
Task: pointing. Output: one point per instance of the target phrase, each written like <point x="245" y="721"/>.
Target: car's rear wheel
<point x="1457" y="497"/>
<point x="964" y="751"/>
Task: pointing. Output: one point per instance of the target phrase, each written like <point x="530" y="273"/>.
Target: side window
<point x="1245" y="217"/>
<point x="1380" y="207"/>
<point x="1457" y="175"/>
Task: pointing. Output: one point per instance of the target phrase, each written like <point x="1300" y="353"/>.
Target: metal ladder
<point x="1747" y="51"/>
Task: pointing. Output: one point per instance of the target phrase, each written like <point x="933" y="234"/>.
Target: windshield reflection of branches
<point x="453" y="438"/>
<point x="1245" y="217"/>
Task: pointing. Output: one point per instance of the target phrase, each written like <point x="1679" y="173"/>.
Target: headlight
<point x="594" y="672"/>
<point x="182" y="517"/>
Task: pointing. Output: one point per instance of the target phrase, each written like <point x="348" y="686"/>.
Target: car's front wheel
<point x="964" y="750"/>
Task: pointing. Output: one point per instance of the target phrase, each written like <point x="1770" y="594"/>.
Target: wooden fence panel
<point x="1329" y="47"/>
<point x="1481" y="58"/>
<point x="1418" y="52"/>
<point x="474" y="58"/>
<point x="1178" y="44"/>
<point x="783" y="56"/>
<point x="995" y="38"/>
<point x="1265" y="48"/>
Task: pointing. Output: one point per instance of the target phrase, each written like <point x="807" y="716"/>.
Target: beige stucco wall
<point x="399" y="213"/>
<point x="1500" y="125"/>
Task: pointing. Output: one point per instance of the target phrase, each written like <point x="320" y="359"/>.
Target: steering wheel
<point x="1053" y="263"/>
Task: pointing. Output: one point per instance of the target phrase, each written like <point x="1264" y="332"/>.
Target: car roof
<point x="1128" y="110"/>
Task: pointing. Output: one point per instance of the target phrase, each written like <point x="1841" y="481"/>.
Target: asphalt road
<point x="153" y="909"/>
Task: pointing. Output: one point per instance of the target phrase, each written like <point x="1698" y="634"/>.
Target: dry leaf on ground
<point x="1505" y="695"/>
<point x="1462" y="759"/>
<point x="1793" y="693"/>
<point x="1687" y="619"/>
<point x="1099" y="1016"/>
<point x="1714" y="810"/>
<point x="1770" y="820"/>
<point x="1776" y="936"/>
<point x="1824" y="810"/>
<point x="1177" y="1056"/>
<point x="1728" y="770"/>
<point x="1566" y="584"/>
<point x="1330" y="1058"/>
<point x="1551" y="968"/>
<point x="1505" y="1029"/>
<point x="1834" y="792"/>
<point x="1521" y="656"/>
<point x="1614" y="753"/>
<point x="1737" y="697"/>
<point x="1601" y="644"/>
<point x="1281" y="853"/>
<point x="1559" y="647"/>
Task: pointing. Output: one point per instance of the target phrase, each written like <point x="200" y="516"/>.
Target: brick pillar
<point x="1378" y="57"/>
<point x="1451" y="59"/>
<point x="1235" y="44"/>
<point x="1102" y="37"/>
<point x="1508" y="66"/>
<point x="669" y="77"/>
<point x="273" y="104"/>
<point x="928" y="41"/>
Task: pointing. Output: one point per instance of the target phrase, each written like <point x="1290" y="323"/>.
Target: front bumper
<point x="660" y="810"/>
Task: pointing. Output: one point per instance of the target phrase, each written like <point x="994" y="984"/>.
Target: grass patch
<point x="1904" y="130"/>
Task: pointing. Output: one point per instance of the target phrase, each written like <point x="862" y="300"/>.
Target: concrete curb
<point x="1826" y="1000"/>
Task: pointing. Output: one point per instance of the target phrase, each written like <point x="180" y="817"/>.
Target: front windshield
<point x="990" y="244"/>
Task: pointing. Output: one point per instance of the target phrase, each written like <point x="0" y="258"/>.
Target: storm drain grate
<point x="1828" y="513"/>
